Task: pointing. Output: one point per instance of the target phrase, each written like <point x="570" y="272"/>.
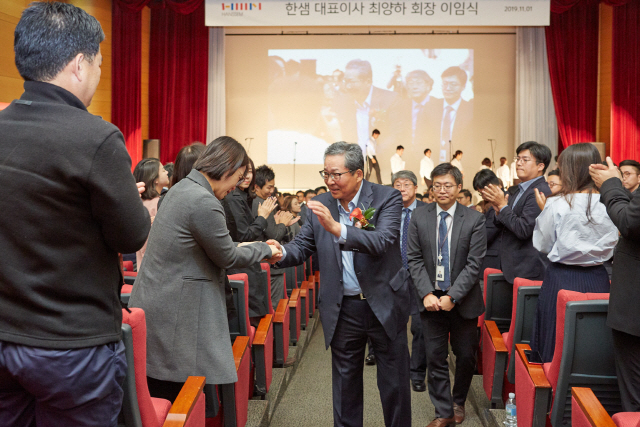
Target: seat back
<point x="266" y="269"/>
<point x="137" y="407"/>
<point x="584" y="354"/>
<point x="239" y="325"/>
<point x="523" y="313"/>
<point x="499" y="300"/>
<point x="290" y="281"/>
<point x="485" y="275"/>
<point x="300" y="274"/>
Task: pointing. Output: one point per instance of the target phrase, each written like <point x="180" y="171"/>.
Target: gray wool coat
<point x="180" y="285"/>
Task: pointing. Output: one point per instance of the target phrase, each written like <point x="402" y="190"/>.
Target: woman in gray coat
<point x="180" y="285"/>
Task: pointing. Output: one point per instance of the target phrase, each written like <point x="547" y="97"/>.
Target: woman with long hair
<point x="577" y="235"/>
<point x="152" y="173"/>
<point x="292" y="205"/>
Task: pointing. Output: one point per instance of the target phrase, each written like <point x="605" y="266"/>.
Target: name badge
<point x="440" y="273"/>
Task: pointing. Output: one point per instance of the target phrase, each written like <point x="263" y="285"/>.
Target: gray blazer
<point x="180" y="285"/>
<point x="468" y="248"/>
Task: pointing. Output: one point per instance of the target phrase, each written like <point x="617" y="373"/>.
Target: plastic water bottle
<point x="510" y="409"/>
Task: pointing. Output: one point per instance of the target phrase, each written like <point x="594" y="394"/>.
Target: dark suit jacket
<point x="518" y="257"/>
<point x="468" y="247"/>
<point x="624" y="210"/>
<point x="492" y="258"/>
<point x="240" y="221"/>
<point x="427" y="130"/>
<point x="462" y="126"/>
<point x="377" y="261"/>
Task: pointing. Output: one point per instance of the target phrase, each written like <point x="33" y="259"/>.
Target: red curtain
<point x="625" y="108"/>
<point x="572" y="50"/>
<point x="178" y="68"/>
<point x="126" y="76"/>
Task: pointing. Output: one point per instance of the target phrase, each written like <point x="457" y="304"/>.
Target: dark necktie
<point x="443" y="237"/>
<point x="405" y="231"/>
<point x="446" y="124"/>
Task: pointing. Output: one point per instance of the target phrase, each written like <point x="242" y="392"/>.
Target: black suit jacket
<point x="468" y="247"/>
<point x="624" y="210"/>
<point x="377" y="261"/>
<point x="518" y="257"/>
<point x="240" y="221"/>
<point x="494" y="241"/>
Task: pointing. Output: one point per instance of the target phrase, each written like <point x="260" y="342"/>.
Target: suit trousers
<point x="46" y="387"/>
<point x="440" y="328"/>
<point x="418" y="348"/>
<point x="356" y="323"/>
<point x="627" y="355"/>
<point x="375" y="166"/>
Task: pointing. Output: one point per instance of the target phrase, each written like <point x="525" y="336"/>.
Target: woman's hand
<point x="283" y="217"/>
<point x="293" y="221"/>
<point x="140" y="186"/>
<point x="265" y="208"/>
<point x="541" y="199"/>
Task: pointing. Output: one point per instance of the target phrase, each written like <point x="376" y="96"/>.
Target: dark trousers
<point x="44" y="387"/>
<point x="418" y="348"/>
<point x="440" y="328"/>
<point x="627" y="354"/>
<point x="375" y="166"/>
<point x="356" y="323"/>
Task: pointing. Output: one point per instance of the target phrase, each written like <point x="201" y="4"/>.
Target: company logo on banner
<point x="372" y="13"/>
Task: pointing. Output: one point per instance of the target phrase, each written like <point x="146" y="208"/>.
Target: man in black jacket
<point x="69" y="206"/>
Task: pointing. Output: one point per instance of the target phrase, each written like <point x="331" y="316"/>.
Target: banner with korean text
<point x="378" y="13"/>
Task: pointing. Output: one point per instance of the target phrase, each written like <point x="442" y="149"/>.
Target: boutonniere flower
<point x="361" y="219"/>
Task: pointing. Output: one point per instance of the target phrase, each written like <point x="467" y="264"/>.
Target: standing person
<point x="485" y="164"/>
<point x="292" y="206"/>
<point x="555" y="184"/>
<point x="69" y="206"/>
<point x="308" y="195"/>
<point x="447" y="243"/>
<point x="464" y="198"/>
<point x="364" y="290"/>
<point x="624" y="210"/>
<point x="300" y="196"/>
<point x="577" y="235"/>
<point x="457" y="162"/>
<point x="516" y="215"/>
<point x="492" y="258"/>
<point x="372" y="160"/>
<point x="407" y="183"/>
<point x="155" y="177"/>
<point x="397" y="164"/>
<point x="630" y="170"/>
<point x="504" y="173"/>
<point x="426" y="166"/>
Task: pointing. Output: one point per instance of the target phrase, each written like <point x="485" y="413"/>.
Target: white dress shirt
<point x="362" y="121"/>
<point x="514" y="174"/>
<point x="504" y="174"/>
<point x="456" y="163"/>
<point x="566" y="236"/>
<point x="371" y="148"/>
<point x="397" y="164"/>
<point x="453" y="113"/>
<point x="426" y="167"/>
<point x="449" y="222"/>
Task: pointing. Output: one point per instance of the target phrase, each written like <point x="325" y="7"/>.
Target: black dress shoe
<point x="370" y="360"/>
<point x="418" y="386"/>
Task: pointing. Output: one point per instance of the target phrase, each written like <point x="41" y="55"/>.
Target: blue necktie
<point x="443" y="237"/>
<point x="405" y="231"/>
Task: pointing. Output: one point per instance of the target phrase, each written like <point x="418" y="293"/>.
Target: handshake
<point x="276" y="250"/>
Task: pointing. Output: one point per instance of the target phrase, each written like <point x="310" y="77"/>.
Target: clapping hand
<point x="293" y="221"/>
<point x="600" y="173"/>
<point x="265" y="208"/>
<point x="494" y="195"/>
<point x="283" y="217"/>
<point x="541" y="199"/>
<point x="325" y="218"/>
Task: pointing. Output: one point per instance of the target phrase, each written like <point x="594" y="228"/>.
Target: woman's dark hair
<point x="147" y="171"/>
<point x="222" y="157"/>
<point x="484" y="178"/>
<point x="486" y="162"/>
<point x="251" y="194"/>
<point x="456" y="154"/>
<point x="286" y="204"/>
<point x="185" y="159"/>
<point x="49" y="35"/>
<point x="573" y="164"/>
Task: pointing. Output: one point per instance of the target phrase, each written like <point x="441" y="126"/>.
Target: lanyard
<point x="441" y="245"/>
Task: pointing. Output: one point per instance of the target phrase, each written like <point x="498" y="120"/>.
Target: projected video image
<point x="417" y="98"/>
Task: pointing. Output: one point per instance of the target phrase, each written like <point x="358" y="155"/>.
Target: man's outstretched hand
<point x="325" y="218"/>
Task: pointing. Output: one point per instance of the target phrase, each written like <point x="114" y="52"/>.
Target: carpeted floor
<point x="307" y="400"/>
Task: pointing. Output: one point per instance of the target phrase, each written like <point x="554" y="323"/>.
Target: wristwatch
<point x="452" y="299"/>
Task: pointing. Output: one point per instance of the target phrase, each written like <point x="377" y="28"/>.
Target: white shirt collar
<point x="455" y="105"/>
<point x="450" y="211"/>
<point x="423" y="103"/>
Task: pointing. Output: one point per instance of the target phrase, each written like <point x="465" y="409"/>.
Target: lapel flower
<point x="361" y="219"/>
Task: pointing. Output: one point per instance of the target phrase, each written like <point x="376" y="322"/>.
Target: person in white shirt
<point x="577" y="235"/>
<point x="457" y="162"/>
<point x="426" y="166"/>
<point x="504" y="173"/>
<point x="372" y="161"/>
<point x="514" y="174"/>
<point x="397" y="164"/>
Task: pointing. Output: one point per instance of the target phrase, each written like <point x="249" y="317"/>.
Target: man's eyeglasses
<point x="522" y="159"/>
<point x="446" y="187"/>
<point x="404" y="186"/>
<point x="628" y="174"/>
<point x="553" y="184"/>
<point x="334" y="176"/>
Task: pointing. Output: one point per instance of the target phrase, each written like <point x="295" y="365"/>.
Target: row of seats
<point x="583" y="357"/>
<point x="256" y="350"/>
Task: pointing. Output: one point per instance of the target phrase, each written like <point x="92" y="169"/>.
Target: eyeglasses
<point x="522" y="159"/>
<point x="446" y="187"/>
<point x="404" y="186"/>
<point x="628" y="174"/>
<point x="553" y="184"/>
<point x="334" y="176"/>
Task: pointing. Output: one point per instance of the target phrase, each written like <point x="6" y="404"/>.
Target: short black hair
<point x="49" y="35"/>
<point x="457" y="72"/>
<point x="169" y="168"/>
<point x="222" y="157"/>
<point x="306" y="193"/>
<point x="322" y="187"/>
<point x="375" y="131"/>
<point x="299" y="191"/>
<point x="555" y="172"/>
<point x="486" y="161"/>
<point x="483" y="178"/>
<point x="465" y="193"/>
<point x="456" y="153"/>
<point x="263" y="175"/>
<point x="427" y="150"/>
<point x="540" y="152"/>
<point x="634" y="164"/>
<point x="399" y="147"/>
<point x="418" y="196"/>
<point x="447" y="169"/>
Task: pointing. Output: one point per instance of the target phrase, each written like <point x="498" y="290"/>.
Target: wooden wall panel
<point x="603" y="130"/>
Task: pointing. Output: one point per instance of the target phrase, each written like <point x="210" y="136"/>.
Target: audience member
<point x="304" y="210"/>
<point x="555" y="184"/>
<point x="577" y="235"/>
<point x="292" y="206"/>
<point x="321" y="190"/>
<point x="169" y="168"/>
<point x="624" y="210"/>
<point x="450" y="292"/>
<point x="189" y="250"/>
<point x="630" y="170"/>
<point x="300" y="196"/>
<point x="457" y="162"/>
<point x="155" y="178"/>
<point x="464" y="198"/>
<point x="185" y="159"/>
<point x="69" y="206"/>
<point x="407" y="183"/>
<point x="397" y="164"/>
<point x="243" y="227"/>
<point x="516" y="214"/>
<point x="504" y="173"/>
<point x="426" y="166"/>
<point x="482" y="180"/>
<point x="372" y="160"/>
